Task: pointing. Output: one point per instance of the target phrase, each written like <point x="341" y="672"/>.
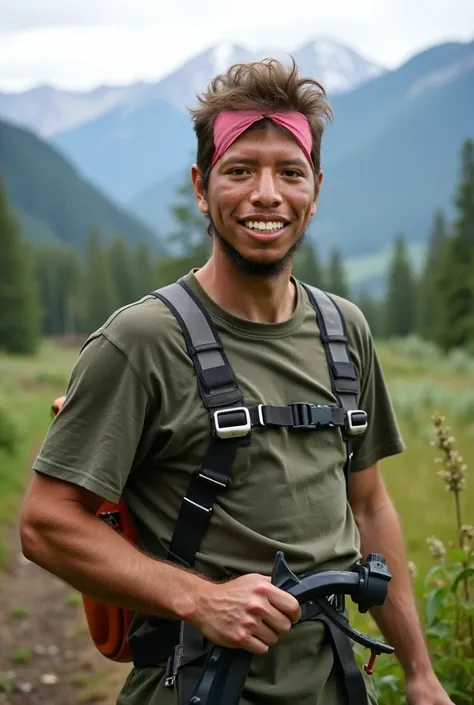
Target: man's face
<point x="260" y="198"/>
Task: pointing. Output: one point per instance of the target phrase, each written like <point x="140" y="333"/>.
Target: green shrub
<point x="413" y="400"/>
<point x="445" y="595"/>
<point x="414" y="348"/>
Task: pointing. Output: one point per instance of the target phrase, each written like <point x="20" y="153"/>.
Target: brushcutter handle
<point x="224" y="676"/>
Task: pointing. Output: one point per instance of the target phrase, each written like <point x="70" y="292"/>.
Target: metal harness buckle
<point x="356" y="421"/>
<point x="235" y="431"/>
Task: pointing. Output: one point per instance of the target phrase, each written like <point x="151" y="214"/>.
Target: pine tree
<point x="19" y="309"/>
<point x="69" y="281"/>
<point x="464" y="199"/>
<point x="58" y="276"/>
<point x="123" y="271"/>
<point x="336" y="278"/>
<point x="400" y="294"/>
<point x="371" y="309"/>
<point x="99" y="294"/>
<point x="428" y="292"/>
<point x="307" y="265"/>
<point x="190" y="238"/>
<point x="144" y="271"/>
<point x="456" y="280"/>
<point x="45" y="271"/>
<point x="189" y="243"/>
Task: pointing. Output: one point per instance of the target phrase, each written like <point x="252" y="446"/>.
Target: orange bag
<point x="108" y="624"/>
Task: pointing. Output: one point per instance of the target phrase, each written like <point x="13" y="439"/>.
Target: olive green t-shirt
<point x="133" y="423"/>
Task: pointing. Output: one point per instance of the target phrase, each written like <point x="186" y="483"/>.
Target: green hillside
<point x="53" y="201"/>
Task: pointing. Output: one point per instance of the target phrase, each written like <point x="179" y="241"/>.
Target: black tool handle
<point x="226" y="671"/>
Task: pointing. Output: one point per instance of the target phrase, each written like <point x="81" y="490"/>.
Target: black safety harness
<point x="232" y="422"/>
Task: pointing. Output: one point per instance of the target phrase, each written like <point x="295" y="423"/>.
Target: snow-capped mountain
<point x="337" y="67"/>
<point x="49" y="111"/>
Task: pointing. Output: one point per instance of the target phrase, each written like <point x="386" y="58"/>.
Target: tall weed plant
<point x="445" y="594"/>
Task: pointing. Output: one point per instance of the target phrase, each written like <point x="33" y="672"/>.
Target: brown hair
<point x="267" y="85"/>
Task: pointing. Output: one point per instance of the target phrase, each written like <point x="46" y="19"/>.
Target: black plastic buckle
<point x="302" y="417"/>
<point x="307" y="416"/>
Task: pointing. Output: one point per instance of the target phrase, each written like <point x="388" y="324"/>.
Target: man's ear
<point x="317" y="191"/>
<point x="199" y="189"/>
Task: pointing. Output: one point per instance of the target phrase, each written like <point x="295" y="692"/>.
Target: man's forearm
<point x="397" y="618"/>
<point x="87" y="554"/>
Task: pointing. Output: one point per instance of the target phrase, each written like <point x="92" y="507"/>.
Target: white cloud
<point x="80" y="43"/>
<point x="82" y="56"/>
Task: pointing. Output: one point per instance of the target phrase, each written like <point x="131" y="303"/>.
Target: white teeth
<point x="261" y="225"/>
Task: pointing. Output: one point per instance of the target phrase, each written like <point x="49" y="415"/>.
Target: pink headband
<point x="230" y="124"/>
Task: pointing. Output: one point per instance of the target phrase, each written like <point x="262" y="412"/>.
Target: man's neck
<point x="257" y="299"/>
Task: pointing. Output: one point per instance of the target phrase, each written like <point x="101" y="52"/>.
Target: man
<point x="133" y="424"/>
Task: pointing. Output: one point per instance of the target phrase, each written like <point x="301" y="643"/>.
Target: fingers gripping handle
<point x="223" y="679"/>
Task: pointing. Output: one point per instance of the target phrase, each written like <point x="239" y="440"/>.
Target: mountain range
<point x="49" y="111"/>
<point x="390" y="158"/>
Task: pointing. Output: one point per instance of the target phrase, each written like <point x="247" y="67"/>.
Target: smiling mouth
<point x="261" y="227"/>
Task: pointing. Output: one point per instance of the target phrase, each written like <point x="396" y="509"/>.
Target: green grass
<point x="27" y="388"/>
<point x="422" y="384"/>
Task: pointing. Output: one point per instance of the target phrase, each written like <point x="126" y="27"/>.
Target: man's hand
<point x="426" y="690"/>
<point x="245" y="613"/>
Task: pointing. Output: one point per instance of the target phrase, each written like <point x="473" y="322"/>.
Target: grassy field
<point x="420" y="380"/>
<point x="422" y="383"/>
<point x="27" y="388"/>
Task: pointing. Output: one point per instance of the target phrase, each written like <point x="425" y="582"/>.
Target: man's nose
<point x="266" y="190"/>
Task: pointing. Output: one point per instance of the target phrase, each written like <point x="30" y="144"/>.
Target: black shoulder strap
<point x="230" y="422"/>
<point x="342" y="369"/>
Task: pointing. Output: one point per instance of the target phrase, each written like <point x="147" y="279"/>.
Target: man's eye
<point x="292" y="173"/>
<point x="237" y="171"/>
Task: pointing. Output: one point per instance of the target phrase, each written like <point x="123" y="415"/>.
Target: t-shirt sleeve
<point x="93" y="440"/>
<point x="382" y="437"/>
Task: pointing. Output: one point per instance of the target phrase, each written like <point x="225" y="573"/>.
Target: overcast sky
<point x="82" y="43"/>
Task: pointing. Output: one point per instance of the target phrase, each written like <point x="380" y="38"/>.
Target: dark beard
<point x="255" y="269"/>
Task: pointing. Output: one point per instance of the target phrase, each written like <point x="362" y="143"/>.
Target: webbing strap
<point x="342" y="370"/>
<point x="335" y="341"/>
<point x="218" y="389"/>
<point x="347" y="667"/>
<point x="203" y="344"/>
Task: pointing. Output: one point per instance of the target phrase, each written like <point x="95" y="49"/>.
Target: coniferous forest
<point x="49" y="289"/>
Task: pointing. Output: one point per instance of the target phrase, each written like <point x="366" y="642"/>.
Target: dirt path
<point x="46" y="655"/>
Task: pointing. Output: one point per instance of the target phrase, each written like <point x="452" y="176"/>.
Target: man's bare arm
<point x="61" y="533"/>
